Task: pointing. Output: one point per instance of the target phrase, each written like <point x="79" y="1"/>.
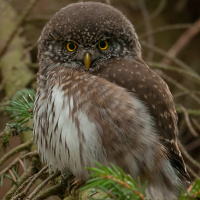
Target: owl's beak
<point x="87" y="60"/>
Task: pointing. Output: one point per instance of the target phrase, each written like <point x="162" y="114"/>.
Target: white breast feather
<point x="67" y="151"/>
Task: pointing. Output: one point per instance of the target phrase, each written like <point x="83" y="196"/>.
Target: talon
<point x="75" y="183"/>
<point x="66" y="177"/>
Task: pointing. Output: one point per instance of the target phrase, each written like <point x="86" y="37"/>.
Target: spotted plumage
<point x="97" y="100"/>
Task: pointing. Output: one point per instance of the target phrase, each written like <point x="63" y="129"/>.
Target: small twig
<point x="164" y="53"/>
<point x="196" y="124"/>
<point x="190" y="187"/>
<point x="179" y="94"/>
<point x="195" y="77"/>
<point x="196" y="98"/>
<point x="189" y="111"/>
<point x="17" y="26"/>
<point x="17" y="149"/>
<point x="184" y="39"/>
<point x="177" y="61"/>
<point x="34" y="193"/>
<point x="168" y="28"/>
<point x="182" y="128"/>
<point x="56" y="189"/>
<point x="110" y="194"/>
<point x="148" y="26"/>
<point x="12" y="175"/>
<point x="123" y="183"/>
<point x="22" y="164"/>
<point x="22" y="186"/>
<point x="174" y="82"/>
<point x="21" y="180"/>
<point x="27" y="183"/>
<point x="30" y="183"/>
<point x="159" y="9"/>
<point x="185" y="153"/>
<point x="189" y="125"/>
<point x="30" y="48"/>
<point x="193" y="145"/>
<point x="34" y="19"/>
<point x="183" y="89"/>
<point x="196" y="194"/>
<point x="12" y="164"/>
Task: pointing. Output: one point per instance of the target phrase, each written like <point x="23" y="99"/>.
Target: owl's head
<point x="86" y="35"/>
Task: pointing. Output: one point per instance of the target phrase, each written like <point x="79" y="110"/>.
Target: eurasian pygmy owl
<point x="97" y="100"/>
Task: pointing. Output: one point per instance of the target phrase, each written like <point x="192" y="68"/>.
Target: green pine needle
<point x="115" y="183"/>
<point x="21" y="108"/>
<point x="118" y="185"/>
<point x="193" y="191"/>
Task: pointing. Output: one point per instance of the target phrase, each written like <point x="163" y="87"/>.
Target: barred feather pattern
<point x="78" y="120"/>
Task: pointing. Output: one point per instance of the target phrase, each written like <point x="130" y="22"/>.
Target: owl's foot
<point x="75" y="184"/>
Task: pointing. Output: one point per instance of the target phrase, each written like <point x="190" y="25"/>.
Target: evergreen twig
<point x="115" y="183"/>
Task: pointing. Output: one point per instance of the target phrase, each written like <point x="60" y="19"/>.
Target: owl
<point x="97" y="100"/>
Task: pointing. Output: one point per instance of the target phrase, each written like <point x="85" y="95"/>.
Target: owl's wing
<point x="149" y="87"/>
<point x="89" y="118"/>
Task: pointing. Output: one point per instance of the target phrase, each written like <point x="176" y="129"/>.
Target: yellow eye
<point x="71" y="46"/>
<point x="103" y="45"/>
